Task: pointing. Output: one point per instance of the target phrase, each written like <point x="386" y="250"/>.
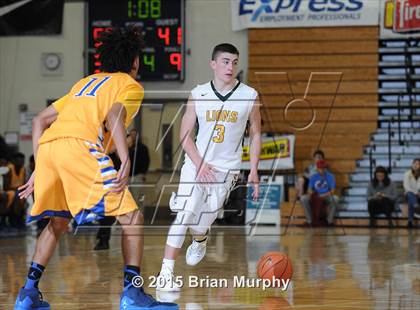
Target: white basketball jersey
<point x="222" y="122"/>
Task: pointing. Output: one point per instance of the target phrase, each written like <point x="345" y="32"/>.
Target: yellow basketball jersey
<point x="82" y="112"/>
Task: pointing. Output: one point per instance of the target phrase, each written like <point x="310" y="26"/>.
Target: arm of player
<point x="115" y="121"/>
<point x="205" y="171"/>
<point x="131" y="98"/>
<point x="42" y="121"/>
<point x="255" y="146"/>
<point x="111" y="148"/>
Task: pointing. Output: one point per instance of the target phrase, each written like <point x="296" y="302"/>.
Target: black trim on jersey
<point x="227" y="96"/>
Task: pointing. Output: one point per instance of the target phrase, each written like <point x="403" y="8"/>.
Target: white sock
<point x="168" y="263"/>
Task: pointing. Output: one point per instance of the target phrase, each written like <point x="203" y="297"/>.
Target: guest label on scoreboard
<point x="162" y="22"/>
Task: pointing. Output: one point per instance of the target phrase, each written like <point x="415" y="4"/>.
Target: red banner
<point x="407" y="15"/>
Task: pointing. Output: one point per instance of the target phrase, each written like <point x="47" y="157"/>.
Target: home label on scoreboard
<point x="162" y="22"/>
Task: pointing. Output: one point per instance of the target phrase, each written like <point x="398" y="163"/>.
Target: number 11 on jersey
<point x="92" y="93"/>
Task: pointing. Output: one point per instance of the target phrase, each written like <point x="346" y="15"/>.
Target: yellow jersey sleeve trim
<point x="60" y="103"/>
<point x="131" y="99"/>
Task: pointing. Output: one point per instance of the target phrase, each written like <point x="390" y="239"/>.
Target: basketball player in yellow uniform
<point x="75" y="178"/>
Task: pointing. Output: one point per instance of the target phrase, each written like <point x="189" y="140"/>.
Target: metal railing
<point x="390" y="134"/>
<point x="372" y="161"/>
<point x="399" y="118"/>
<point x="409" y="70"/>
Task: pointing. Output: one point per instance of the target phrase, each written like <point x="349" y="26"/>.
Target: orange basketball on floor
<point x="275" y="265"/>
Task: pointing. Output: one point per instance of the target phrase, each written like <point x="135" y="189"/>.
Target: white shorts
<point x="199" y="198"/>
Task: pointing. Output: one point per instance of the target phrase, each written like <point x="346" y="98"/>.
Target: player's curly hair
<point x="119" y="47"/>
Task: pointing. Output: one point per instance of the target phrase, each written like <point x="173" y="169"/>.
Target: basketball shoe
<point x="196" y="252"/>
<point x="166" y="281"/>
<point x="30" y="299"/>
<point x="133" y="298"/>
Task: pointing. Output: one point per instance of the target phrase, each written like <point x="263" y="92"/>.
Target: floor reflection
<point x="376" y="269"/>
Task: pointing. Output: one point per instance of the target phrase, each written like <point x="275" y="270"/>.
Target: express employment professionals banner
<point x="277" y="153"/>
<point x="303" y="13"/>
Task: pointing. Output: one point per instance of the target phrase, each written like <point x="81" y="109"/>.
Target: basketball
<point x="275" y="265"/>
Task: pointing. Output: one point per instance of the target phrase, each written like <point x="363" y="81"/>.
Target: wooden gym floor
<point x="361" y="269"/>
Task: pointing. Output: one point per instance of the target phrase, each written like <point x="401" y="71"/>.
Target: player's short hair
<point x="119" y="47"/>
<point x="224" y="48"/>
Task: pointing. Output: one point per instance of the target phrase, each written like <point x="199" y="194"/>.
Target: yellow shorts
<point x="73" y="178"/>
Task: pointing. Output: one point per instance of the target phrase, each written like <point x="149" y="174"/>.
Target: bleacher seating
<point x="380" y="83"/>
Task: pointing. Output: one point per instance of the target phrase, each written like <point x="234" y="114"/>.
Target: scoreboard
<point x="162" y="21"/>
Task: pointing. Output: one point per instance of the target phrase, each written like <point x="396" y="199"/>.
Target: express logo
<point x="256" y="8"/>
<point x="264" y="7"/>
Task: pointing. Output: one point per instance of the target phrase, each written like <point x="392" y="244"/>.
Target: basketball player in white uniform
<point x="222" y="107"/>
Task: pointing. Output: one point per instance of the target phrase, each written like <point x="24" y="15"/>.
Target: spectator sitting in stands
<point x="321" y="191"/>
<point x="382" y="196"/>
<point x="303" y="180"/>
<point x="302" y="185"/>
<point x="412" y="190"/>
<point x="17" y="168"/>
<point x="6" y="196"/>
<point x="18" y="176"/>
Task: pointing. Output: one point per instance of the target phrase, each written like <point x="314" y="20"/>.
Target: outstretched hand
<point x="28" y="188"/>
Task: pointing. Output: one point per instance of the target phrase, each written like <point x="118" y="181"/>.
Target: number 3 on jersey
<point x="220" y="134"/>
<point x="92" y="93"/>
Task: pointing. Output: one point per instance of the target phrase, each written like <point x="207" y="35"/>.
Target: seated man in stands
<point x="412" y="190"/>
<point x="323" y="202"/>
<point x="302" y="185"/>
<point x="382" y="195"/>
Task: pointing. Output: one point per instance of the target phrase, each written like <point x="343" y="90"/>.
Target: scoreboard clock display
<point x="162" y="22"/>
